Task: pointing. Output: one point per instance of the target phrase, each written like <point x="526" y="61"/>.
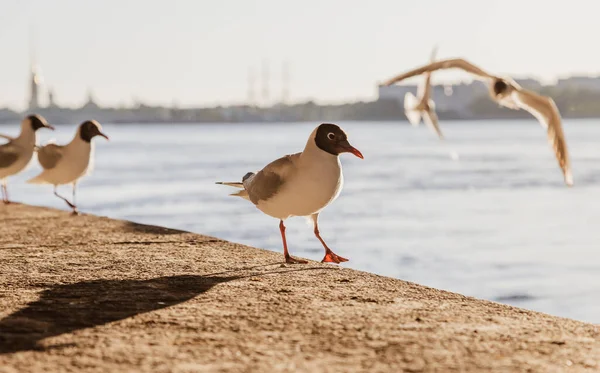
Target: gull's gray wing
<point x="49" y="155"/>
<point x="6" y="137"/>
<point x="431" y="120"/>
<point x="424" y="88"/>
<point x="452" y="63"/>
<point x="9" y="153"/>
<point x="546" y="112"/>
<point x="268" y="182"/>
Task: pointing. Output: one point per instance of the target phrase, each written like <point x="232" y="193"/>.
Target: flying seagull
<point x="423" y="106"/>
<point x="510" y="94"/>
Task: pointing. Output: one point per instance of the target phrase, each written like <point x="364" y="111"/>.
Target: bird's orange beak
<point x="345" y="147"/>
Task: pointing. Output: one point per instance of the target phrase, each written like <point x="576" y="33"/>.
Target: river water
<point x="485" y="213"/>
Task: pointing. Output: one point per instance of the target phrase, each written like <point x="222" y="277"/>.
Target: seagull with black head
<point x="16" y="154"/>
<point x="66" y="164"/>
<point x="508" y="93"/>
<point x="301" y="184"/>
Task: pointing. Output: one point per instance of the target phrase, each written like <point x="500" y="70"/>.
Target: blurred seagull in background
<point x="301" y="184"/>
<point x="66" y="164"/>
<point x="16" y="154"/>
<point x="510" y="94"/>
<point x="423" y="106"/>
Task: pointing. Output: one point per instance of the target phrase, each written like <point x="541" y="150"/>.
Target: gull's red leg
<point x="330" y="256"/>
<point x="288" y="257"/>
<point x="72" y="206"/>
<point x="5" y="193"/>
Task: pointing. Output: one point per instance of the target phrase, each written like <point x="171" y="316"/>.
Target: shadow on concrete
<point x="67" y="308"/>
<point x="150" y="229"/>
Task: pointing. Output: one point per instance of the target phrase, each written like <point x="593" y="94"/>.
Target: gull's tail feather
<point x="39" y="179"/>
<point x="410" y="104"/>
<point x="241" y="193"/>
<point x="235" y="184"/>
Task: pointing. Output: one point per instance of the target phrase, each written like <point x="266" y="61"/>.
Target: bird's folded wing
<point x="430" y="118"/>
<point x="453" y="63"/>
<point x="49" y="155"/>
<point x="267" y="182"/>
<point x="9" y="153"/>
<point x="546" y="112"/>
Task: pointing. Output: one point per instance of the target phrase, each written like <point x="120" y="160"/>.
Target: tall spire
<point x="35" y="77"/>
<point x="265" y="82"/>
<point x="251" y="99"/>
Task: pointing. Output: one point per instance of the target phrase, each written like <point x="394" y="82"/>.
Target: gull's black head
<point x="333" y="140"/>
<point x="500" y="87"/>
<point x="89" y="129"/>
<point x="37" y="121"/>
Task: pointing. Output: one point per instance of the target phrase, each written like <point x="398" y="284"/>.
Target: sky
<point x="198" y="53"/>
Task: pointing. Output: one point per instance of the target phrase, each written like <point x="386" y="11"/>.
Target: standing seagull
<point x="66" y="164"/>
<point x="17" y="152"/>
<point x="510" y="94"/>
<point x="301" y="184"/>
<point x="423" y="106"/>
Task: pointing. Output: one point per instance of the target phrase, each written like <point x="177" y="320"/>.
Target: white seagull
<point x="510" y="94"/>
<point x="16" y="154"/>
<point x="66" y="164"/>
<point x="301" y="184"/>
<point x="423" y="106"/>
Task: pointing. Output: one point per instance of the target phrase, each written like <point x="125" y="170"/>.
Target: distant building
<point x="529" y="83"/>
<point x="91" y="103"/>
<point x="34" y="93"/>
<point x="51" y="103"/>
<point x="394" y="92"/>
<point x="587" y="83"/>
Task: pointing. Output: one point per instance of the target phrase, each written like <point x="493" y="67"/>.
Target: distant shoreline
<point x="581" y="106"/>
<point x="390" y="121"/>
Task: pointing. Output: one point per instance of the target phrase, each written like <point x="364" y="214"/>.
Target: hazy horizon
<point x="198" y="53"/>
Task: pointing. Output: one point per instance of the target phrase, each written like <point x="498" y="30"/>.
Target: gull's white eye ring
<point x="331" y="136"/>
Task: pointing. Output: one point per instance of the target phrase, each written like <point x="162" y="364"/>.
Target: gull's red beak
<point x="103" y="135"/>
<point x="345" y="147"/>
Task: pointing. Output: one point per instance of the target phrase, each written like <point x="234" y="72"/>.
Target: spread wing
<point x="546" y="112"/>
<point x="430" y="118"/>
<point x="424" y="89"/>
<point x="49" y="155"/>
<point x="9" y="153"/>
<point x="453" y="63"/>
<point x="268" y="181"/>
